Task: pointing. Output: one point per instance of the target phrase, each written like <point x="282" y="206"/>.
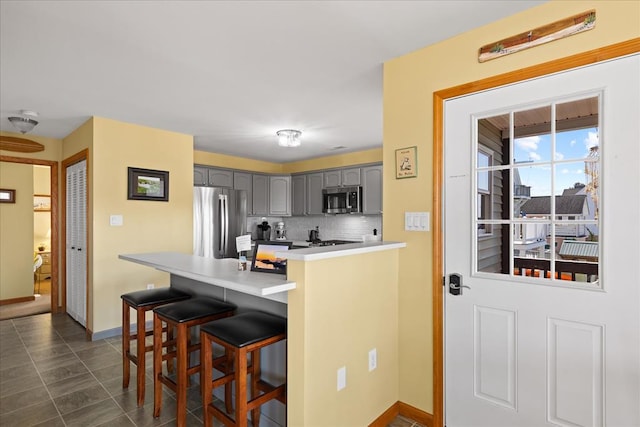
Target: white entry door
<point x="542" y="223"/>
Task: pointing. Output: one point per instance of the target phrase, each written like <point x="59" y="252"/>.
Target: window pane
<point x="532" y="141"/>
<point x="577" y="258"/>
<point x="531" y="192"/>
<point x="493" y="134"/>
<point x="493" y="249"/>
<point x="574" y="199"/>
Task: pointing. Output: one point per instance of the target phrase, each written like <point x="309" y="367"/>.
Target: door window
<point x="537" y="185"/>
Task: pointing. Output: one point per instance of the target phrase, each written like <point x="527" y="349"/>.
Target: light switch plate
<point x="116" y="220"/>
<point x="416" y="221"/>
<point x="342" y="378"/>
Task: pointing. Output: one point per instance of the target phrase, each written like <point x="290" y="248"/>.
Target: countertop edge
<point x="327" y="252"/>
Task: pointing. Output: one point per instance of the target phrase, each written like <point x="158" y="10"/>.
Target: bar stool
<point x="181" y="316"/>
<point x="240" y="335"/>
<point x="141" y="302"/>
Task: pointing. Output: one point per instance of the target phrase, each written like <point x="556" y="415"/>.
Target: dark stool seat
<point x="240" y="335"/>
<point x="181" y="316"/>
<point x="141" y="301"/>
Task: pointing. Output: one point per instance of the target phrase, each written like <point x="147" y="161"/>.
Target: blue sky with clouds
<point x="572" y="147"/>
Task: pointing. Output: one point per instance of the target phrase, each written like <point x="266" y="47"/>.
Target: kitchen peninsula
<point x="341" y="303"/>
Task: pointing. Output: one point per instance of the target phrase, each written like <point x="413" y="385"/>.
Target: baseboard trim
<point x="17" y="300"/>
<point x="406" y="410"/>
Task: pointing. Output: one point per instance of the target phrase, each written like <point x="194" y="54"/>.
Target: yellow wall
<point x="16" y="232"/>
<point x="233" y="162"/>
<point x="342" y="308"/>
<point x="52" y="152"/>
<point x="149" y="226"/>
<point x="340" y="160"/>
<point x="409" y="83"/>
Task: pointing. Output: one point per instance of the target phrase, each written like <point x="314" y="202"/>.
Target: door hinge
<point x="444" y="281"/>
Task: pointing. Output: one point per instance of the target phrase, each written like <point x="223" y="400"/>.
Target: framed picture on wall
<point x="7" y="196"/>
<point x="406" y="166"/>
<point x="148" y="184"/>
<point x="41" y="203"/>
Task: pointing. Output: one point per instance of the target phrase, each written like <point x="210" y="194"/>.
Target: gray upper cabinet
<point x="280" y="195"/>
<point x="350" y="177"/>
<point x="220" y="178"/>
<point x="298" y="195"/>
<point x="332" y="178"/>
<point x="205" y="176"/>
<point x="260" y="195"/>
<point x="244" y="181"/>
<point x="372" y="190"/>
<point x="200" y="176"/>
<point x="314" y="193"/>
<point x="342" y="177"/>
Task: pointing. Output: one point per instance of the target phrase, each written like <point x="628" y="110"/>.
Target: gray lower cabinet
<point x="244" y="181"/>
<point x="314" y="193"/>
<point x="298" y="195"/>
<point x="372" y="189"/>
<point x="280" y="195"/>
<point x="260" y="195"/>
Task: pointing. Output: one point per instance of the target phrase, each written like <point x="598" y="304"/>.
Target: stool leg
<point x="181" y="375"/>
<point x="255" y="376"/>
<point x="157" y="365"/>
<point x="141" y="344"/>
<point x="206" y="372"/>
<point x="126" y="333"/>
<point x="241" y="387"/>
<point x="228" y="392"/>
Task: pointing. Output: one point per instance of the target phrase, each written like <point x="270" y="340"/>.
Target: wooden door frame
<point x="575" y="61"/>
<point x="53" y="172"/>
<point x="69" y="161"/>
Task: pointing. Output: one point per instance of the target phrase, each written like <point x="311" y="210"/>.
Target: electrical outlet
<point x="373" y="359"/>
<point x="342" y="378"/>
<point x="150" y="286"/>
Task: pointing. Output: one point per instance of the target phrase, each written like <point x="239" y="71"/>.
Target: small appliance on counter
<point x="264" y="230"/>
<point x="314" y="235"/>
<point x="280" y="231"/>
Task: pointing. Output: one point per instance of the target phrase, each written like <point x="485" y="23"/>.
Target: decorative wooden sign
<point x="555" y="31"/>
<point x="21" y="145"/>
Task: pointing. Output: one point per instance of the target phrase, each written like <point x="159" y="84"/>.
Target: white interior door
<point x="542" y="222"/>
<point x="76" y="251"/>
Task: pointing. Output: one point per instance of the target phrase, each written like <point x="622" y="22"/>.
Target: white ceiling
<point x="231" y="73"/>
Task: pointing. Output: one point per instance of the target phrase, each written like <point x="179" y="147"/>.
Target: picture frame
<point x="148" y="184"/>
<point x="406" y="165"/>
<point x="264" y="259"/>
<point x="7" y="195"/>
<point x="41" y="203"/>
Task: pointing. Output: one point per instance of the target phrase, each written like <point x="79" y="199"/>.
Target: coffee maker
<point x="280" y="231"/>
<point x="263" y="230"/>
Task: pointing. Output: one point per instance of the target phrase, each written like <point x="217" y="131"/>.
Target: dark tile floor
<point x="51" y="376"/>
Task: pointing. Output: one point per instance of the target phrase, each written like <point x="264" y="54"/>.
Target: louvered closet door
<point x="76" y="241"/>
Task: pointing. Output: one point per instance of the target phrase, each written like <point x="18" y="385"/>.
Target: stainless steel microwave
<point x="342" y="200"/>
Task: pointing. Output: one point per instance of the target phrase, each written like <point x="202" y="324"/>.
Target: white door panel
<point x="531" y="347"/>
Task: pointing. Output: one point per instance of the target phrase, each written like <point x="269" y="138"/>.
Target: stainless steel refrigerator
<point x="219" y="216"/>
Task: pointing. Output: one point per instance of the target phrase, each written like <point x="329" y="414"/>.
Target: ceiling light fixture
<point x="289" y="137"/>
<point x="24" y="124"/>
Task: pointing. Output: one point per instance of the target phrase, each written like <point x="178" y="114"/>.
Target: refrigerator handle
<point x="225" y="226"/>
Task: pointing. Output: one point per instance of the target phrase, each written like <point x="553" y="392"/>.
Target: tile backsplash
<point x="344" y="227"/>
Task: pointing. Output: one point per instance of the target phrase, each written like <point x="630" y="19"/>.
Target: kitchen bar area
<point x="340" y="301"/>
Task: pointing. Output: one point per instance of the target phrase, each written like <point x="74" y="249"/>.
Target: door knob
<point x="455" y="284"/>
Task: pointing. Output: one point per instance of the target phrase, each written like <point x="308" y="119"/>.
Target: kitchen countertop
<point x="218" y="272"/>
<point x="326" y="252"/>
